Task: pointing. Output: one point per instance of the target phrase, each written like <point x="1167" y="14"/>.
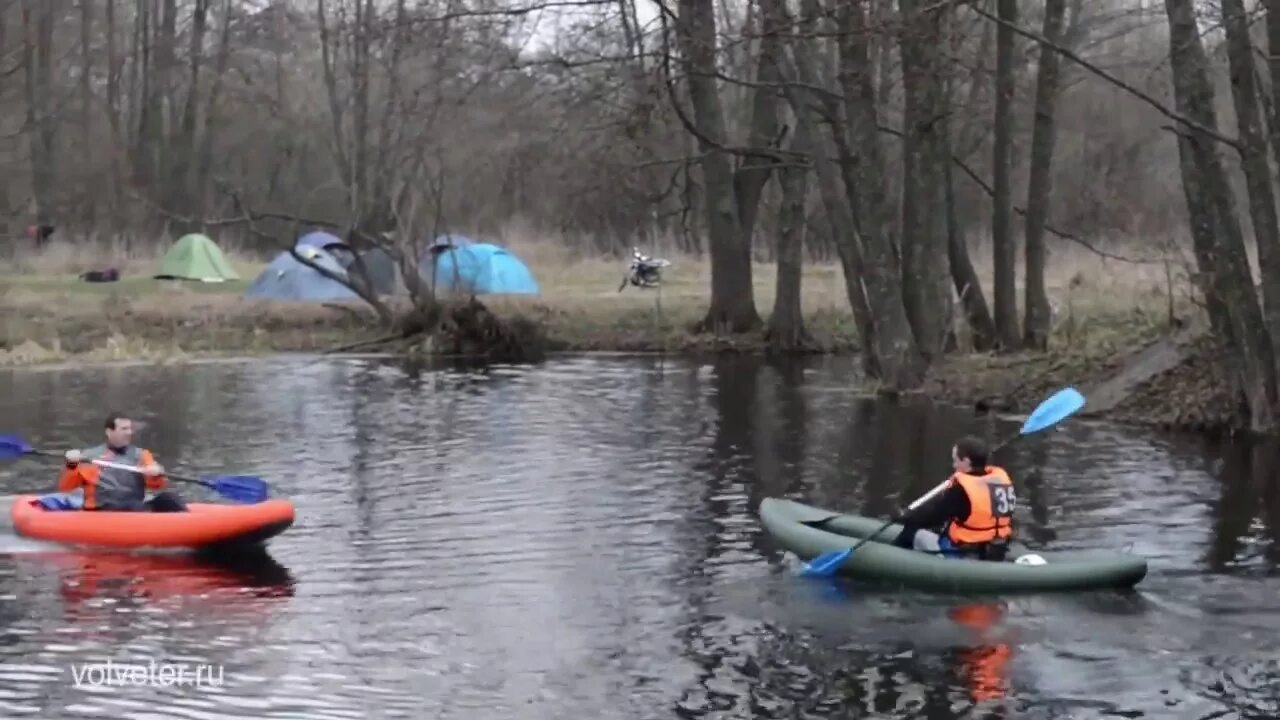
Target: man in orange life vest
<point x="975" y="511"/>
<point x="108" y="488"/>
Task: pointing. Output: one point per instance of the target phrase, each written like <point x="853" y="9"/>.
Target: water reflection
<point x="983" y="663"/>
<point x="93" y="585"/>
<point x="580" y="540"/>
<point x="1246" y="518"/>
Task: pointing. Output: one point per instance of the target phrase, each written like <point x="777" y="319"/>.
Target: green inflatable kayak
<point x="808" y="532"/>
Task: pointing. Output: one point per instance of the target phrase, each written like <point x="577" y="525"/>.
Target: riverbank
<point x="1104" y="311"/>
<point x="151" y="320"/>
<point x="47" y="314"/>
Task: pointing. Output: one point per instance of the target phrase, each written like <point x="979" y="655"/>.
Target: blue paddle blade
<point x="13" y="446"/>
<point x="826" y="564"/>
<point x="1053" y="410"/>
<point x="242" y="488"/>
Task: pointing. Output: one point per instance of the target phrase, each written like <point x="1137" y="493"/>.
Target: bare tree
<point x="1204" y="174"/>
<point x="898" y="360"/>
<point x="1253" y="138"/>
<point x="965" y="132"/>
<point x="926" y="290"/>
<point x="733" y="306"/>
<point x="786" y="329"/>
<point x="1040" y="181"/>
<point x="1003" y="247"/>
<point x="37" y="52"/>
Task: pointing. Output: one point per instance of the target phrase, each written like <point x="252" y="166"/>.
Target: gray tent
<point x="381" y="268"/>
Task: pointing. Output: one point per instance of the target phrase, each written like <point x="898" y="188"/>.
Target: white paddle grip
<point x="117" y="466"/>
<point x="925" y="498"/>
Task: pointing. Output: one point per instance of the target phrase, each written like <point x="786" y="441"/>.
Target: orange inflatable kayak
<point x="205" y="525"/>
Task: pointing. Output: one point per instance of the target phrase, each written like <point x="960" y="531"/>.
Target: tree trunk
<point x="785" y="328"/>
<point x="967" y="284"/>
<point x="1204" y="238"/>
<point x="693" y="201"/>
<point x="118" y="139"/>
<point x="967" y="136"/>
<point x="388" y="143"/>
<point x="1003" y="248"/>
<point x="147" y="141"/>
<point x="733" y="307"/>
<point x="1039" y="185"/>
<point x="840" y="221"/>
<point x="360" y="59"/>
<point x="88" y="181"/>
<point x="924" y="235"/>
<point x="1262" y="204"/>
<point x="753" y="174"/>
<point x="328" y="63"/>
<point x="786" y="324"/>
<point x="1273" y="65"/>
<point x="881" y="48"/>
<point x="895" y="348"/>
<point x="204" y="162"/>
<point x="186" y="150"/>
<point x="975" y="128"/>
<point x="1204" y="172"/>
<point x="165" y="105"/>
<point x="48" y="10"/>
<point x="9" y="230"/>
<point x="113" y="74"/>
<point x="37" y="53"/>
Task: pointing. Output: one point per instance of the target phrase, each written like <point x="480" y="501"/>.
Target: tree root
<point x="796" y="342"/>
<point x="470" y="329"/>
<point x="364" y="344"/>
<point x="466" y="329"/>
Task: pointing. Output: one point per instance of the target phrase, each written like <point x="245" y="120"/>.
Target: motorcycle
<point x="644" y="271"/>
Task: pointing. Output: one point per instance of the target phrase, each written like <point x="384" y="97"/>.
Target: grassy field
<point x="1102" y="307"/>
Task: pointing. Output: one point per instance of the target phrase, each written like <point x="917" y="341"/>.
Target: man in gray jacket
<point x="107" y="488"/>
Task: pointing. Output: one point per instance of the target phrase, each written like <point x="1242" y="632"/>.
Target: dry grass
<point x="583" y="309"/>
<point x="1105" y="310"/>
<point x="1102" y="306"/>
<point x="52" y="318"/>
<point x="62" y="260"/>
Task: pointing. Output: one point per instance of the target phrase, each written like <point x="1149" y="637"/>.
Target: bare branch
<point x="1143" y="96"/>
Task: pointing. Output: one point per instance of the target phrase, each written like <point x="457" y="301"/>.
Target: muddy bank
<point x="70" y="329"/>
<point x="1193" y="396"/>
<point x="52" y="335"/>
<point x="1189" y="395"/>
<point x="176" y="329"/>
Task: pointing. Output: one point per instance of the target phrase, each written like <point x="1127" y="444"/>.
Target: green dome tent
<point x="196" y="257"/>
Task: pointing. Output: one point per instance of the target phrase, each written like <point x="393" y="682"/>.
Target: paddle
<point x="1053" y="410"/>
<point x="241" y="488"/>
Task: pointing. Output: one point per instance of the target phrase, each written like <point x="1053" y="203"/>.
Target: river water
<point x="579" y="540"/>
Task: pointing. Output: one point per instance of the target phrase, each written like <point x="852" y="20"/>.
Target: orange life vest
<point x="991" y="504"/>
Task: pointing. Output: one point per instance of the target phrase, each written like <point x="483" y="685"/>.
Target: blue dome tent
<point x="481" y="269"/>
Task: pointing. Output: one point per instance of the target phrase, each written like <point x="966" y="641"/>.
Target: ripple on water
<point x="579" y="540"/>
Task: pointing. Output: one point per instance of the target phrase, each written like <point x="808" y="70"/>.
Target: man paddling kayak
<point x="975" y="511"/>
<point x="107" y="488"/>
